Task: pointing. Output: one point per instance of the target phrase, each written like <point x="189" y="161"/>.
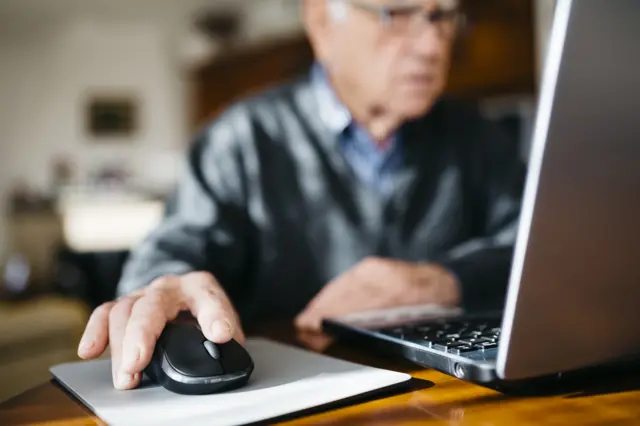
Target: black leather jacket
<point x="270" y="207"/>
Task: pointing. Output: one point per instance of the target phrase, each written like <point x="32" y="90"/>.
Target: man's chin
<point x="413" y="102"/>
<point x="415" y="108"/>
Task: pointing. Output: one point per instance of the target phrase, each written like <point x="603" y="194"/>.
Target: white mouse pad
<point x="286" y="380"/>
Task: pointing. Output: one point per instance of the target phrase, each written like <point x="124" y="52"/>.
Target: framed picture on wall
<point x="110" y="116"/>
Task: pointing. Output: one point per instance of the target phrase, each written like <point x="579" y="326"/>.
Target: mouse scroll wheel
<point x="212" y="348"/>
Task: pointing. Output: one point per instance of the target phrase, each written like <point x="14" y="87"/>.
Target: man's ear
<point x="316" y="20"/>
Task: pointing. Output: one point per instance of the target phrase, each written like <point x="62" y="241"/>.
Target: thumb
<point x="308" y="320"/>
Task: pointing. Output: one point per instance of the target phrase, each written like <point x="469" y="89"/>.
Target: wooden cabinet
<point x="497" y="53"/>
<point x="246" y="72"/>
<point x="495" y="56"/>
<point x="36" y="236"/>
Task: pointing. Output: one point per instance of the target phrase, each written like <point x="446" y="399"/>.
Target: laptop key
<point x="470" y="341"/>
<point x="471" y="334"/>
<point x="444" y="342"/>
<point x="485" y="345"/>
<point x="459" y="349"/>
<point x="456" y="344"/>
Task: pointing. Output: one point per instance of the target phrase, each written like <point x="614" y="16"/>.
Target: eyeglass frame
<point x="434" y="17"/>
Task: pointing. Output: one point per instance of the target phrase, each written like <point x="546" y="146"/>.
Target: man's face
<point x="388" y="54"/>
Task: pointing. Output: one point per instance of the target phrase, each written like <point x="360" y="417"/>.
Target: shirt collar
<point x="333" y="113"/>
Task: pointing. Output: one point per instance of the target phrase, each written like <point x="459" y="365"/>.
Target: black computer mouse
<point x="184" y="361"/>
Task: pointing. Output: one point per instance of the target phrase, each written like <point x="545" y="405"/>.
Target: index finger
<point x="208" y="302"/>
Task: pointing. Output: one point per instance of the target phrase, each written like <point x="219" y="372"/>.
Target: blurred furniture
<point x="107" y="221"/>
<point x="99" y="230"/>
<point x="77" y="246"/>
<point x="516" y="115"/>
<point x="431" y="398"/>
<point x="89" y="276"/>
<point x="36" y="236"/>
<point x="34" y="335"/>
<point x="243" y="72"/>
<point x="496" y="56"/>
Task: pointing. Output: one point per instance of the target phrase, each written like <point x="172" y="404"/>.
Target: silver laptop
<point x="574" y="293"/>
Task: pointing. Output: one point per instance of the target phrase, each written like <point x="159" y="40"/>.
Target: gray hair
<point x="337" y="9"/>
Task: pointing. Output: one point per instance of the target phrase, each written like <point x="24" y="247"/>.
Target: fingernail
<point x="220" y="329"/>
<point x="123" y="380"/>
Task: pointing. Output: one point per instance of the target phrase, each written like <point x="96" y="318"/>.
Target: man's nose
<point x="427" y="40"/>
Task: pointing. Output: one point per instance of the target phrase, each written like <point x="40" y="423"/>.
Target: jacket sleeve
<point x="205" y="219"/>
<point x="482" y="264"/>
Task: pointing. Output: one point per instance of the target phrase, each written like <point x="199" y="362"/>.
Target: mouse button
<point x="234" y="357"/>
<point x="212" y="349"/>
<point x="195" y="363"/>
<point x="187" y="355"/>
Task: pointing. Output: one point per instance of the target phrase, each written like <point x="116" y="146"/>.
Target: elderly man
<point x="358" y="187"/>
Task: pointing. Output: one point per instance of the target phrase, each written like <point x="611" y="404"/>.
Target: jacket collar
<point x="332" y="112"/>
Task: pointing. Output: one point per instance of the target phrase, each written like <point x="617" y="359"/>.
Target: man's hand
<point x="380" y="283"/>
<point x="133" y="324"/>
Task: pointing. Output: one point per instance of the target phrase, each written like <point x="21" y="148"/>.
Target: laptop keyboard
<point x="453" y="336"/>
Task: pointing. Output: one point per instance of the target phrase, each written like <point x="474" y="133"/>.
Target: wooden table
<point x="431" y="398"/>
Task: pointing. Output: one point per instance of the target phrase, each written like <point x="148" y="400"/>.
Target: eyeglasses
<point x="408" y="19"/>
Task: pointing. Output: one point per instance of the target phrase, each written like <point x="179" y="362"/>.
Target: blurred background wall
<point x="57" y="55"/>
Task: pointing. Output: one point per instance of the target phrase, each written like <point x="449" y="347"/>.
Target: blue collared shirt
<point x="373" y="165"/>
